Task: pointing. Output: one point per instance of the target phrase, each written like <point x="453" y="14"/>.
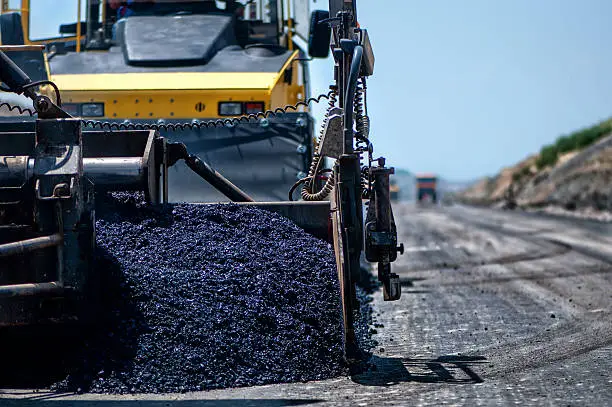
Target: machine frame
<point x="58" y="167"/>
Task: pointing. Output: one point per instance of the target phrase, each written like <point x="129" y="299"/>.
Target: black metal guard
<point x="381" y="233"/>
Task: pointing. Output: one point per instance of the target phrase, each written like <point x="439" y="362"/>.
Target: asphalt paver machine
<point x="184" y="63"/>
<point x="51" y="165"/>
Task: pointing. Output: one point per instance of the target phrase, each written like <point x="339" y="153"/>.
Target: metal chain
<point x="20" y="109"/>
<point x="195" y="124"/>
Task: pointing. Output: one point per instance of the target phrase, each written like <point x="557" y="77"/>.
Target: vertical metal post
<point x="63" y="195"/>
<point x="103" y="17"/>
<point x="78" y="27"/>
<point x="25" y="20"/>
<point x="88" y="19"/>
<point x="289" y="26"/>
<point x="280" y="22"/>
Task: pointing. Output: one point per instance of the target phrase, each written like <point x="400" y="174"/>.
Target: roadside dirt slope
<point x="578" y="180"/>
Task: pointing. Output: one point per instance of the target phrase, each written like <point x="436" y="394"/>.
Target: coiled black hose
<point x="308" y="193"/>
<point x="307" y="190"/>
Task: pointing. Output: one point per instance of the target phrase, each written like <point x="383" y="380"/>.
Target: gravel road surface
<point x="498" y="308"/>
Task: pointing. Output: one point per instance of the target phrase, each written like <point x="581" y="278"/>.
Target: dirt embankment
<point x="579" y="180"/>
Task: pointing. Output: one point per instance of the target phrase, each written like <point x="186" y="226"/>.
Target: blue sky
<point x="465" y="87"/>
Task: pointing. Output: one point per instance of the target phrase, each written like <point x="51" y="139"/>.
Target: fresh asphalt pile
<point x="199" y="297"/>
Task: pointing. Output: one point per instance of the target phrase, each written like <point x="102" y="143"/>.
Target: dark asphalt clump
<point x="207" y="296"/>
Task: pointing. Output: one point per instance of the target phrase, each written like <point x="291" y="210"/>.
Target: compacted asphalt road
<point x="498" y="308"/>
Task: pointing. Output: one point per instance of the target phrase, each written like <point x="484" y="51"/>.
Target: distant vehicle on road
<point x="426" y="189"/>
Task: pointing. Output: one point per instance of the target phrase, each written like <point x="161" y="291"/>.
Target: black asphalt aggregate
<point x="199" y="297"/>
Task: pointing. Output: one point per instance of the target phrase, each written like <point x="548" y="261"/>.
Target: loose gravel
<point x="199" y="297"/>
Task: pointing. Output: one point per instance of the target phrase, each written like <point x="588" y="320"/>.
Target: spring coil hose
<point x="364" y="182"/>
<point x="307" y="192"/>
<point x="362" y="130"/>
<point x="362" y="121"/>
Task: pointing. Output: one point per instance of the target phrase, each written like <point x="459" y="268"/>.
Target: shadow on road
<point x="450" y="369"/>
<point x="409" y="283"/>
<point x="159" y="403"/>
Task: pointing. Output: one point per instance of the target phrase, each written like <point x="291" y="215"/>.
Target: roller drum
<point x="116" y="173"/>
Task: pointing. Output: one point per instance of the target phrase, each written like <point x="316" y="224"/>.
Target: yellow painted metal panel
<point x="165" y="104"/>
<point x="180" y="95"/>
<point x="166" y="81"/>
